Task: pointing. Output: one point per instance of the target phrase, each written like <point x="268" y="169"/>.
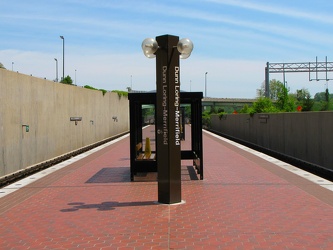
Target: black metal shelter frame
<point x="136" y="100"/>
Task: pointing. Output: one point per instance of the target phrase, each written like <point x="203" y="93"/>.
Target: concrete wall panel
<point x="303" y="135"/>
<point x="47" y="107"/>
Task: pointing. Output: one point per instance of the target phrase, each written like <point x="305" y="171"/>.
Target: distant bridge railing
<point x="233" y="103"/>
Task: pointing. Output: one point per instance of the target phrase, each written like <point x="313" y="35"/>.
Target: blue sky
<point x="233" y="40"/>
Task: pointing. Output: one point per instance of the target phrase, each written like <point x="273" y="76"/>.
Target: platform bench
<point x="140" y="155"/>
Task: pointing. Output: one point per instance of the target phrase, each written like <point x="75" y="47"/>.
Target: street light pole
<point x="63" y="57"/>
<point x="206" y="84"/>
<point x="56" y="69"/>
<point x="168" y="49"/>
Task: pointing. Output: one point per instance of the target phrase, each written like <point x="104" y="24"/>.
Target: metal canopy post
<point x="196" y="130"/>
<point x="136" y="132"/>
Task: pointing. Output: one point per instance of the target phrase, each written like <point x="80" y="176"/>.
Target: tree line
<point x="281" y="100"/>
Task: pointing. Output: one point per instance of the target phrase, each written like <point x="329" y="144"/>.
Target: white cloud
<point x="276" y="9"/>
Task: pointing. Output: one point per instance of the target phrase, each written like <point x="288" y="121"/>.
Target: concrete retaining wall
<point x="46" y="107"/>
<point x="304" y="135"/>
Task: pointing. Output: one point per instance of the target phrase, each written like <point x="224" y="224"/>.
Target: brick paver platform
<point x="244" y="202"/>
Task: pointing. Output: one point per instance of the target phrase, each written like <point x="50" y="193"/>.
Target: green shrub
<point x="120" y="93"/>
<point x="206" y="118"/>
<point x="263" y="105"/>
<point x="90" y="87"/>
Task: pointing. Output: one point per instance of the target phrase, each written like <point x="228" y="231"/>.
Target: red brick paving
<point x="243" y="202"/>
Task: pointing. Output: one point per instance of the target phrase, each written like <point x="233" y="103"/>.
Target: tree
<point x="245" y="109"/>
<point x="301" y="94"/>
<point x="304" y="98"/>
<point x="188" y="112"/>
<point x="261" y="91"/>
<point x="323" y="98"/>
<point x="276" y="88"/>
<point x="212" y="110"/>
<point x="308" y="103"/>
<point x="284" y="101"/>
<point x="1" y="66"/>
<point x="279" y="101"/>
<point x="320" y="96"/>
<point x="263" y="105"/>
<point x="67" y="80"/>
<point x="326" y="102"/>
<point x="327" y="96"/>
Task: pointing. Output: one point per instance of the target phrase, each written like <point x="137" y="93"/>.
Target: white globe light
<point x="149" y="47"/>
<point x="184" y="56"/>
<point x="185" y="47"/>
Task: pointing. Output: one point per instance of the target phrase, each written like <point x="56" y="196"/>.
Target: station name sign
<point x="177" y="105"/>
<point x="176" y="90"/>
<point x="76" y="119"/>
<point x="165" y="105"/>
